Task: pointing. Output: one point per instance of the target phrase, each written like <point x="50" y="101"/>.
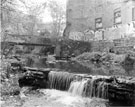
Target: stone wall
<point x="101" y="46"/>
<point x="82" y="13"/>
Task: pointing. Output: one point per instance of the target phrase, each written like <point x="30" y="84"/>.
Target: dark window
<point x="133" y="14"/>
<point x="117" y="17"/>
<point x="98" y="23"/>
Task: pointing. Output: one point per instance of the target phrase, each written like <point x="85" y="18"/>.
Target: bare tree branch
<point x="57" y="13"/>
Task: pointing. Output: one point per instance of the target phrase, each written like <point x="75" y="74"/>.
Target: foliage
<point x="9" y="81"/>
<point x="31" y="18"/>
<point x="17" y="21"/>
<point x="110" y="63"/>
<point x="18" y="17"/>
<point x="58" y="17"/>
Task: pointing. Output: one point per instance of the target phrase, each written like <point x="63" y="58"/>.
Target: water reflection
<point x="75" y="67"/>
<point x="68" y="66"/>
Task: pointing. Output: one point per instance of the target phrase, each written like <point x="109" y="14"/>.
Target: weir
<point x="78" y="87"/>
<point x="59" y="80"/>
<point x="112" y="88"/>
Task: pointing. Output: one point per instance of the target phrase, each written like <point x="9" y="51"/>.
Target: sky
<point x="41" y="1"/>
<point x="46" y="18"/>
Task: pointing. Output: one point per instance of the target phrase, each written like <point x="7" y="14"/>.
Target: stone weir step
<point x="114" y="88"/>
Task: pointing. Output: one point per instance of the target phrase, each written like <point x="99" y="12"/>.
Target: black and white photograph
<point x="67" y="53"/>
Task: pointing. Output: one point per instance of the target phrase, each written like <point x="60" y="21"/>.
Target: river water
<point x="56" y="98"/>
<point x="68" y="66"/>
<point x="74" y="96"/>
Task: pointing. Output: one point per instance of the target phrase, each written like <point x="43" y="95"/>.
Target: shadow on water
<point x="68" y="66"/>
<point x="75" y="67"/>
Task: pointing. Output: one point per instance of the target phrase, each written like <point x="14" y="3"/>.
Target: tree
<point x="58" y="17"/>
<point x="31" y="19"/>
<point x="7" y="7"/>
<point x="16" y="21"/>
<point x="20" y="21"/>
<point x="6" y="10"/>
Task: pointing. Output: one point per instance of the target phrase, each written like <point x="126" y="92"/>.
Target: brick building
<point x="98" y="14"/>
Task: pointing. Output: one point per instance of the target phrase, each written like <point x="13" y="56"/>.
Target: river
<point x="66" y="97"/>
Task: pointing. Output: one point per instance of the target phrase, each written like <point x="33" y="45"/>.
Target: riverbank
<point x="95" y="61"/>
<point x="109" y="63"/>
<point x="11" y="94"/>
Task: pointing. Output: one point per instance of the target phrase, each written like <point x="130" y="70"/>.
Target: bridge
<point x="27" y="44"/>
<point x="25" y="40"/>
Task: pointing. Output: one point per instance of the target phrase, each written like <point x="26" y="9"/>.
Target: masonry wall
<point x="82" y="13"/>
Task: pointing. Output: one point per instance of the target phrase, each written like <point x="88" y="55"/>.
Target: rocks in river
<point x="34" y="77"/>
<point x="114" y="88"/>
<point x="108" y="63"/>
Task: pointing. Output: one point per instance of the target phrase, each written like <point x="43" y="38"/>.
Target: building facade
<point x="99" y="14"/>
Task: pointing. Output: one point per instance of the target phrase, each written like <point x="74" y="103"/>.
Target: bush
<point x="108" y="63"/>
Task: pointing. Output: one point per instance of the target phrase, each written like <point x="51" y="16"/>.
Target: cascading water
<point x="76" y="85"/>
<point x="102" y="90"/>
<point x="80" y="89"/>
<point x="89" y="88"/>
<point x="60" y="80"/>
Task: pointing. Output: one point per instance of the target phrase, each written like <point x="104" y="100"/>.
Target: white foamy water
<point x="77" y="87"/>
<point x="70" y="100"/>
<point x="87" y="88"/>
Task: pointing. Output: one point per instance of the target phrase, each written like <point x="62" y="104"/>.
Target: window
<point x="133" y="13"/>
<point x="117" y="17"/>
<point x="98" y="23"/>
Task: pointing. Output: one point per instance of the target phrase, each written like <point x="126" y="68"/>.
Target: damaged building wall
<point x="82" y="14"/>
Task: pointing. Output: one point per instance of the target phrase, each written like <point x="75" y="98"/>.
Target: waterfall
<point x="89" y="88"/>
<point x="102" y="90"/>
<point x="60" y="80"/>
<point x="77" y="87"/>
<point x="78" y="84"/>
